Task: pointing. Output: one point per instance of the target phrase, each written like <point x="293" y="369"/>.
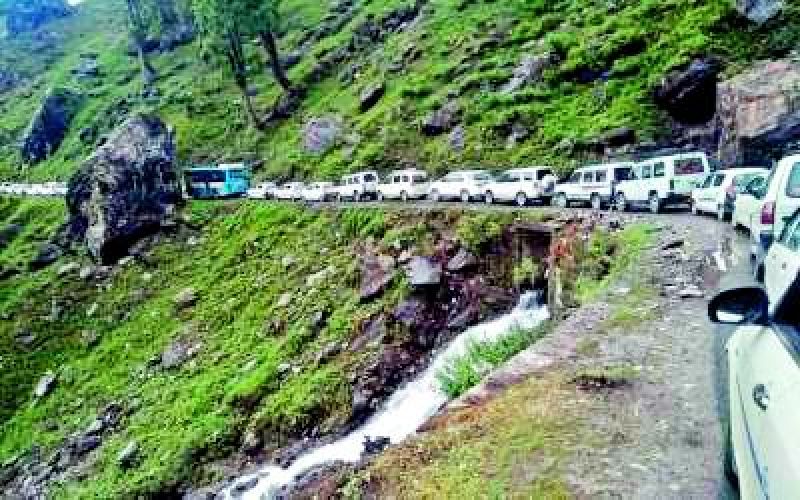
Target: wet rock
<point x="373" y="446"/>
<point x="377" y="271"/>
<point x="423" y="271"/>
<point x="45" y="385"/>
<point x="68" y="268"/>
<point x="529" y="71"/>
<point x="186" y="298"/>
<point x="372" y="331"/>
<point x="86" y="272"/>
<point x="251" y="442"/>
<point x="49" y="124"/>
<point x="243" y="485"/>
<point x="82" y="445"/>
<point x="126" y="190"/>
<point x="690" y="95"/>
<point x="461" y="261"/>
<point x="22" y="17"/>
<point x="48" y="253"/>
<point x="129" y="455"/>
<point x="371" y="95"/>
<point x="442" y="120"/>
<point x="320" y="134"/>
<point x="360" y="404"/>
<point x="178" y="353"/>
<point x="759" y="11"/>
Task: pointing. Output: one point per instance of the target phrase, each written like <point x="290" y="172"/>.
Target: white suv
<point x="359" y="186"/>
<point x="319" y="191"/>
<point x="263" y="191"/>
<point x="718" y="193"/>
<point x="464" y="185"/>
<point x="404" y="185"/>
<point x="521" y="185"/>
<point x="593" y="185"/>
<point x="663" y="181"/>
<point x="289" y="191"/>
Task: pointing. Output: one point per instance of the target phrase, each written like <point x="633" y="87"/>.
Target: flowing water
<point x="404" y="412"/>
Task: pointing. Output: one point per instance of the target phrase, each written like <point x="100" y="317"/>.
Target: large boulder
<point x="125" y="190"/>
<point x="759" y="113"/>
<point x="759" y="11"/>
<point x="529" y="70"/>
<point x="320" y="134"/>
<point x="27" y="15"/>
<point x="49" y="124"/>
<point x="690" y="95"/>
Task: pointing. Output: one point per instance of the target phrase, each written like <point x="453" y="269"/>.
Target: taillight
<point x="768" y="214"/>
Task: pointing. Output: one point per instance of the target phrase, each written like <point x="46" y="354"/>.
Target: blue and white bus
<point x="224" y="181"/>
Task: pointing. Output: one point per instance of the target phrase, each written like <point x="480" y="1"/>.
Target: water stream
<point x="407" y="409"/>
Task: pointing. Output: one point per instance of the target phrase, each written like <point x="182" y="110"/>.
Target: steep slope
<point x="579" y="69"/>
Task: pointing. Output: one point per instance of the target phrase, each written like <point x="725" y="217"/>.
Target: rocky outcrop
<point x="321" y="134"/>
<point x="125" y="190"/>
<point x="759" y="11"/>
<point x="441" y="120"/>
<point x="759" y="113"/>
<point x="49" y="124"/>
<point x="23" y="16"/>
<point x="529" y="71"/>
<point x="689" y="95"/>
<point x="371" y="94"/>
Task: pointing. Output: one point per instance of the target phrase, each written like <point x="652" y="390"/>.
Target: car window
<point x="588" y="177"/>
<point x="707" y="182"/>
<point x="689" y="166"/>
<point x="793" y="184"/>
<point x="601" y="176"/>
<point x="370" y="177"/>
<point x="719" y="179"/>
<point x="659" y="169"/>
<point x="576" y="177"/>
<point x="623" y="174"/>
<point x="482" y="177"/>
<point x="791" y="233"/>
<point x="647" y="171"/>
<point x="541" y="174"/>
<point x="741" y="181"/>
<point x="418" y="178"/>
<point x="527" y="177"/>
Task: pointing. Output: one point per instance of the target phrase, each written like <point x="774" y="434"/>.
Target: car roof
<point x="529" y="169"/>
<point x="408" y="171"/>
<point x="471" y="171"/>
<point x="605" y="166"/>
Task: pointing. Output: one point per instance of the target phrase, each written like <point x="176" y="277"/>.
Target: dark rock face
<point x="759" y="11"/>
<point x="125" y="190"/>
<point x="23" y="16"/>
<point x="376" y="273"/>
<point x="442" y="120"/>
<point x="371" y="95"/>
<point x="690" y="95"/>
<point x="49" y="125"/>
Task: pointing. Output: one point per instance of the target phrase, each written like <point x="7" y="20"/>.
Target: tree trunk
<point x="235" y="54"/>
<point x="271" y="49"/>
<point x="137" y="31"/>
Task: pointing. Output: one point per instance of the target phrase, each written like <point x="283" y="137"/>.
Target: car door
<point x="783" y="261"/>
<point x="708" y="200"/>
<point x="788" y="198"/>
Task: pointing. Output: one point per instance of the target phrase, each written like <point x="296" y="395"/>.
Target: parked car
<point x="464" y="185"/>
<point x="747" y="204"/>
<point x="594" y="185"/>
<point x="320" y="191"/>
<point x="521" y="185"/>
<point x="762" y="454"/>
<point x="717" y="194"/>
<point x="782" y="262"/>
<point x="357" y="187"/>
<point x="666" y="180"/>
<point x="263" y="191"/>
<point x="290" y="191"/>
<point x="404" y="185"/>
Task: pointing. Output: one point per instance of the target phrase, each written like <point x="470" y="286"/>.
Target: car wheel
<point x="488" y="198"/>
<point x="465" y="197"/>
<point x="695" y="211"/>
<point x="596" y="202"/>
<point x="403" y="196"/>
<point x="380" y="196"/>
<point x="356" y="196"/>
<point x="560" y="200"/>
<point x="621" y="202"/>
<point x="655" y="203"/>
<point x="730" y="460"/>
<point x="434" y="196"/>
<point x="522" y="199"/>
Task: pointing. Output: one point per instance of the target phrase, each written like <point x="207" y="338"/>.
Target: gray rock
<point x="185" y="298"/>
<point x="320" y="277"/>
<point x="759" y="11"/>
<point x="45" y="385"/>
<point x="285" y="299"/>
<point x="25" y="338"/>
<point x="126" y="189"/>
<point x="690" y="95"/>
<point x="243" y="485"/>
<point x="287" y="261"/>
<point x="529" y="71"/>
<point x="423" y="271"/>
<point x="48" y="253"/>
<point x="96" y="427"/>
<point x="441" y="120"/>
<point x="371" y="94"/>
<point x="68" y="268"/>
<point x="458" y="138"/>
<point x="49" y="124"/>
<point x="87" y="68"/>
<point x="376" y="274"/>
<point x="86" y="272"/>
<point x="320" y="134"/>
<point x="129" y="455"/>
<point x="461" y="260"/>
<point x="178" y="353"/>
<point x="89" y="338"/>
<point x="251" y="442"/>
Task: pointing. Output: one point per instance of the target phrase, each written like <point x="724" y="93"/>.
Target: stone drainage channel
<point x="405" y="411"/>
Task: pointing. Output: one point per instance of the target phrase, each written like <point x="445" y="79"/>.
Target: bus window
<point x="689" y="166"/>
<point x="588" y="177"/>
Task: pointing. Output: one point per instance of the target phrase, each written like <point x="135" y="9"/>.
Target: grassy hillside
<point x="611" y="55"/>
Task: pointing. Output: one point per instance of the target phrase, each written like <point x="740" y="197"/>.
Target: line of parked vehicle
<point x="46" y="189"/>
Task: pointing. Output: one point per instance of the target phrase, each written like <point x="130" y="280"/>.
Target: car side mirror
<point x="740" y="306"/>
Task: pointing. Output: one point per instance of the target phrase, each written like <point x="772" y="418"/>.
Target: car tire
<point x="694" y="209"/>
<point x="488" y="198"/>
<point x="403" y="196"/>
<point x="596" y="202"/>
<point x="435" y="196"/>
<point x="560" y="200"/>
<point x="654" y="203"/>
<point x="521" y="199"/>
<point x="380" y="196"/>
<point x="356" y="196"/>
<point x="465" y="197"/>
<point x="729" y="463"/>
<point x="621" y="202"/>
<point x="721" y="213"/>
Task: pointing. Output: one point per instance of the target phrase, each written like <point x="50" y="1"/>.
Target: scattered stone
<point x="317" y="279"/>
<point x="442" y="120"/>
<point x="461" y="261"/>
<point x="48" y="253"/>
<point x="96" y="427"/>
<point x="690" y="95"/>
<point x="86" y="273"/>
<point x="25" y="338"/>
<point x="423" y="271"/>
<point x="45" y="385"/>
<point x="89" y="338"/>
<point x="285" y="300"/>
<point x="377" y="271"/>
<point x="759" y="11"/>
<point x="529" y="71"/>
<point x="68" y="268"/>
<point x="49" y="124"/>
<point x="128" y="456"/>
<point x="288" y="261"/>
<point x="321" y="134"/>
<point x="251" y="442"/>
<point x="371" y="95"/>
<point x="373" y="446"/>
<point x="672" y="245"/>
<point x="328" y="352"/>
<point x="458" y="138"/>
<point x="178" y="353"/>
<point x="284" y="368"/>
<point x="244" y="485"/>
<point x="186" y="298"/>
<point x="691" y="293"/>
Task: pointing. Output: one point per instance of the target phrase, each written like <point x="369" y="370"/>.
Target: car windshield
<point x="482" y="177"/>
<point x="689" y="166"/>
<point x="506" y="177"/>
<point x="207" y="176"/>
<point x="793" y="185"/>
<point x="741" y="181"/>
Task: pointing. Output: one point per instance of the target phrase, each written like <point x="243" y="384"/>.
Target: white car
<point x="290" y="191"/>
<point x="358" y="187"/>
<point x="762" y="455"/>
<point x="717" y="194"/>
<point x="666" y="180"/>
<point x="782" y="263"/>
<point x="320" y="191"/>
<point x="263" y="191"/>
<point x="404" y="185"/>
<point x="521" y="185"/>
<point x="593" y="185"/>
<point x="464" y="185"/>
